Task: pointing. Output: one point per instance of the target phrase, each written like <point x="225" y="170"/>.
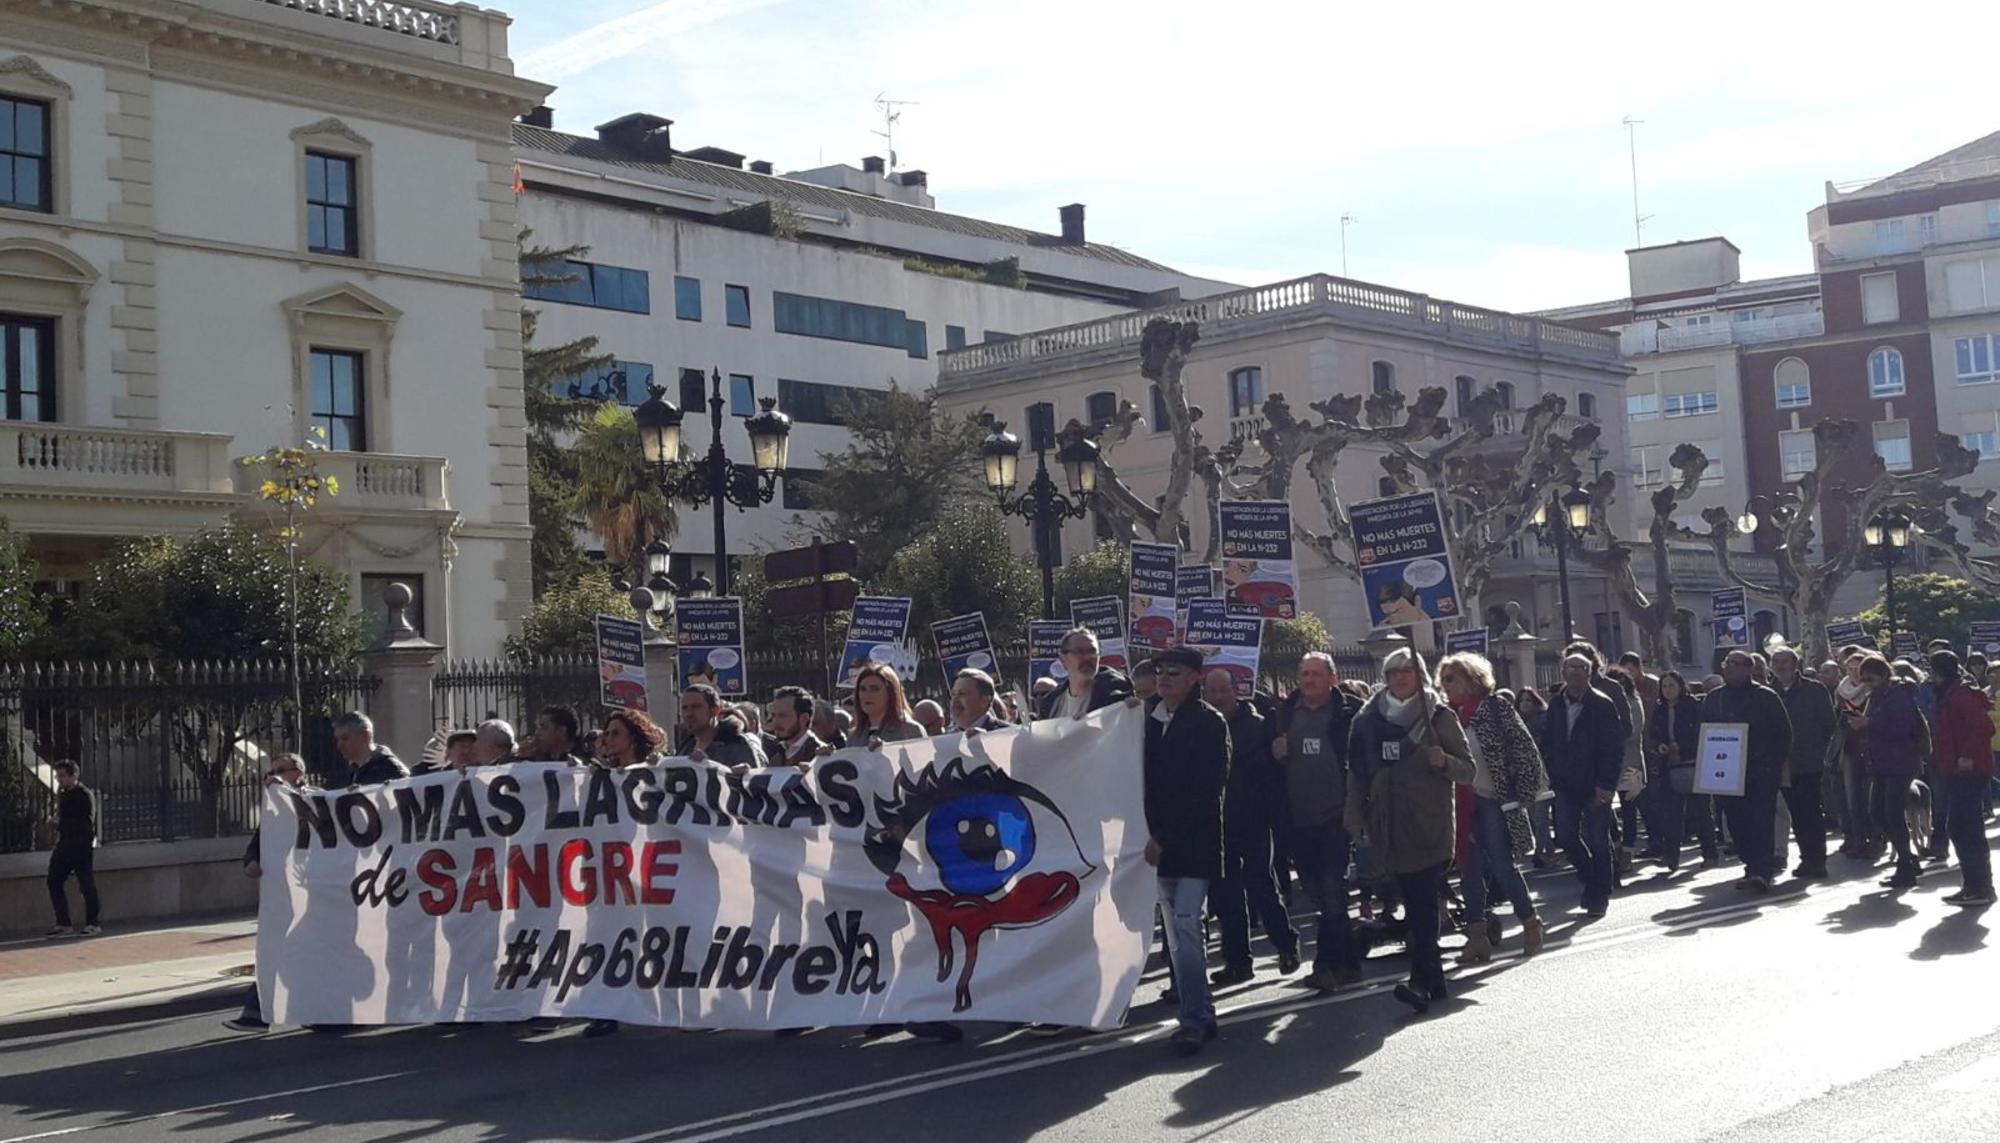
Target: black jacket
<point x="1340" y="725"/>
<point x="1763" y="711"/>
<point x="1256" y="788"/>
<point x="1109" y="687"/>
<point x="76" y="819"/>
<point x="1810" y="706"/>
<point x="381" y="766"/>
<point x="1187" y="768"/>
<point x="1687" y="731"/>
<point x="1591" y="758"/>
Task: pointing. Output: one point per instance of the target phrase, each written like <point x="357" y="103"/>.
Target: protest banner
<point x="1232" y="642"/>
<point x="680" y="894"/>
<point x="1045" y="651"/>
<point x="1105" y="616"/>
<point x="876" y="631"/>
<point x="962" y="641"/>
<point x="1722" y="770"/>
<point x="1986" y="639"/>
<point x="1405" y="563"/>
<point x="621" y="662"/>
<point x="1904" y="645"/>
<point x="1259" y="574"/>
<point x="1475" y="641"/>
<point x="1845" y="632"/>
<point x="710" y="633"/>
<point x="1153" y="579"/>
<point x="1731" y="617"/>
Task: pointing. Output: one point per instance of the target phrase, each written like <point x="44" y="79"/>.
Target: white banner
<point x="997" y="877"/>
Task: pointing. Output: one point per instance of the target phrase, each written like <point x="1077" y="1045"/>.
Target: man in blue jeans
<point x="1583" y="748"/>
<point x="1187" y="765"/>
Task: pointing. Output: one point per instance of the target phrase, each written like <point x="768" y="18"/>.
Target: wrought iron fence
<point x="172" y="750"/>
<point x="466" y="692"/>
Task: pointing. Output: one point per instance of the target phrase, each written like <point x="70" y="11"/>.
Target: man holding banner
<point x="1090" y="686"/>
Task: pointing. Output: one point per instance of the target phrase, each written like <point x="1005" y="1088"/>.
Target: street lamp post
<point x="1563" y="514"/>
<point x="1888" y="537"/>
<point x="713" y="479"/>
<point x="1041" y="504"/>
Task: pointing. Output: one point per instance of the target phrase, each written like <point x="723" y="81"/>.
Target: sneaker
<point x="91" y="930"/>
<point x="1904" y="877"/>
<point x="1171" y="996"/>
<point x="1531" y="936"/>
<point x="1418" y="1002"/>
<point x="1810" y="872"/>
<point x="1288" y="961"/>
<point x="1228" y="976"/>
<point x="1188" y="1041"/>
<point x="1975" y="899"/>
<point x="60" y="931"/>
<point x="1595" y="908"/>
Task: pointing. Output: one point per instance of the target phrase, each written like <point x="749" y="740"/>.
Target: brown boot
<point x="1531" y="936"/>
<point x="1478" y="946"/>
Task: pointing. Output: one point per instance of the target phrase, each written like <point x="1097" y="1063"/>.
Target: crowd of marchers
<point x="1404" y="811"/>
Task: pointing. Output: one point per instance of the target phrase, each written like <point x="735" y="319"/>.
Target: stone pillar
<point x="1515" y="651"/>
<point x="662" y="681"/>
<point x="405" y="663"/>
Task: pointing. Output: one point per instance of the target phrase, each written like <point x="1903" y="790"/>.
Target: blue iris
<point x="979" y="841"/>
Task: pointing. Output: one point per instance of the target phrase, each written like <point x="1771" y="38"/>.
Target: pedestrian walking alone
<point x="75" y="851"/>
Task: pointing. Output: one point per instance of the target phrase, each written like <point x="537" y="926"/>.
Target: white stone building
<point x="226" y="222"/>
<point x="863" y="284"/>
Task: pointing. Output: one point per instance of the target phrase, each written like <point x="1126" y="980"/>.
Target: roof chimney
<point x="760" y="167"/>
<point x="1072" y="224"/>
<point x="543" y="117"/>
<point x="717" y="155"/>
<point x="639" y="135"/>
<point x="914" y="179"/>
<point x="874" y="165"/>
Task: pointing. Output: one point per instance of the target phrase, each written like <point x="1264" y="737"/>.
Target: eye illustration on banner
<point x="973" y="851"/>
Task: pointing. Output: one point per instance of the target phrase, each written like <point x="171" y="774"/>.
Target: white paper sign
<point x="997" y="877"/>
<point x="1721" y="766"/>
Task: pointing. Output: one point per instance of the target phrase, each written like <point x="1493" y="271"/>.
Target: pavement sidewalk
<point x="43" y="980"/>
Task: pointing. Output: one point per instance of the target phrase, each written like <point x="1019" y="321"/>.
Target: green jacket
<point x="1395" y="797"/>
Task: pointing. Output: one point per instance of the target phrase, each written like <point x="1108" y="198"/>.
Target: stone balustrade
<point x="375" y="481"/>
<point x="74" y="458"/>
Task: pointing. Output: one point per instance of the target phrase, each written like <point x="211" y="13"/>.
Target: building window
<point x="742" y="395"/>
<point x="1586" y="406"/>
<point x="1885" y="373"/>
<point x="1889" y="236"/>
<point x="694" y="393"/>
<point x="27" y="368"/>
<point x="1382" y="376"/>
<point x="1798" y="452"/>
<point x="333" y="218"/>
<point x="847" y="321"/>
<point x="1927" y="229"/>
<point x="736" y="305"/>
<point x="1892" y="444"/>
<point x="1246" y="391"/>
<point x="1506" y="391"/>
<point x="799" y="485"/>
<point x="1691" y="404"/>
<point x="1794" y="384"/>
<point x="954" y="337"/>
<point x="1160" y="421"/>
<point x="1878" y="299"/>
<point x="1993" y="220"/>
<point x="1642" y="406"/>
<point x="1610" y="634"/>
<point x="812" y="403"/>
<point x="588" y="284"/>
<point x="1975" y="356"/>
<point x="1648" y="466"/>
<point x="687" y="298"/>
<point x="26" y="166"/>
<point x="1683" y="635"/>
<point x="1713" y="451"/>
<point x="1466" y="387"/>
<point x="375" y="611"/>
<point x="1969" y="283"/>
<point x="337" y="399"/>
<point x="1980" y="432"/>
<point x="623" y="382"/>
<point x="1100" y="409"/>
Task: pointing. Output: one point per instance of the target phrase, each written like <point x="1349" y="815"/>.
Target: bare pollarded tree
<point x="1163" y="352"/>
<point x="1811" y="570"/>
<point x="1653" y="612"/>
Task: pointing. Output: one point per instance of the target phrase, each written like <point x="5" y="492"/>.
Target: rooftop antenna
<point x="890" y="117"/>
<point x="1345" y="218"/>
<point x="1632" y="144"/>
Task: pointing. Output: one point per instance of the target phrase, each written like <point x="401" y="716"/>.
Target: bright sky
<point x="1478" y="146"/>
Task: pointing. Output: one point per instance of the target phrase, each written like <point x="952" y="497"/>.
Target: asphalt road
<point x="1835" y="1012"/>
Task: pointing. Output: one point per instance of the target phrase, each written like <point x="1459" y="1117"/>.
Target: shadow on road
<point x="1955" y="935"/>
<point x="1872" y="911"/>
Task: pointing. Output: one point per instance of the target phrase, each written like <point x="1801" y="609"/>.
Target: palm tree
<point x="615" y="493"/>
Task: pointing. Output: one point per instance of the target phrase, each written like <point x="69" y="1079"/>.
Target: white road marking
<point x="158" y="1115"/>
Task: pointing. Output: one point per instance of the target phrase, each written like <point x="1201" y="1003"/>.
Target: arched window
<point x="1246" y="391"/>
<point x="1586" y="405"/>
<point x="1101" y="408"/>
<point x="1466" y="386"/>
<point x="1683" y="636"/>
<point x="1506" y="391"/>
<point x="1885" y="373"/>
<point x="1793" y="382"/>
<point x="1383" y="376"/>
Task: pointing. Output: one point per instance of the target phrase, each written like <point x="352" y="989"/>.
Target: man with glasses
<point x="1090" y="687"/>
<point x="1187" y="767"/>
